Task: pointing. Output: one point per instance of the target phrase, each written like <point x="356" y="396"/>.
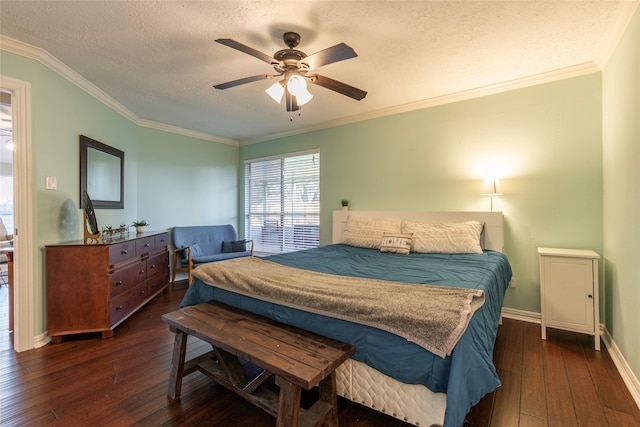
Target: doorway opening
<point x="6" y="221"/>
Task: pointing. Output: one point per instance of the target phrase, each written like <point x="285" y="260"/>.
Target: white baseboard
<point x="629" y="378"/>
<point x="525" y="316"/>
<point x="41" y="340"/>
<point x="627" y="374"/>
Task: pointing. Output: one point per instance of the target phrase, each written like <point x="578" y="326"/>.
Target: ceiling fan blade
<point x="292" y="103"/>
<point x="239" y="82"/>
<point x="343" y="88"/>
<point x="332" y="54"/>
<point x="248" y="50"/>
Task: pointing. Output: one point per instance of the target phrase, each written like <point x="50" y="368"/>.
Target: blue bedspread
<point x="465" y="376"/>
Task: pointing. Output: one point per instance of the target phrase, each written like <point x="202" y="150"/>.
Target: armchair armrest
<point x="176" y="253"/>
<point x="186" y="248"/>
<point x="251" y="241"/>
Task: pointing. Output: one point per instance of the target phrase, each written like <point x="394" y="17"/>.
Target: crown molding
<point x="29" y="51"/>
<point x="614" y="36"/>
<point x="57" y="66"/>
<point x="537" y="79"/>
<point x="32" y="52"/>
<point x="186" y="132"/>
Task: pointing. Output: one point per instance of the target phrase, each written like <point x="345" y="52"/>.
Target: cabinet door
<point x="568" y="293"/>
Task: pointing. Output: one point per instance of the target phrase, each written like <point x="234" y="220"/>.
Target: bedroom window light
<point x="282" y="202"/>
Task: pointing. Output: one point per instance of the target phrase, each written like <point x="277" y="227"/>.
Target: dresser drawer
<point x="158" y="263"/>
<point x="122" y="280"/>
<point x="127" y="302"/>
<point x="162" y="240"/>
<point x="122" y="252"/>
<point x="156" y="283"/>
<point x="145" y="245"/>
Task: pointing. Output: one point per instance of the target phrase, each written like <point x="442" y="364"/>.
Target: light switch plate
<point x="51" y="183"/>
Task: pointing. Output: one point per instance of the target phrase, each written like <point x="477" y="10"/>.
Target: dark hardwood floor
<point x="122" y="381"/>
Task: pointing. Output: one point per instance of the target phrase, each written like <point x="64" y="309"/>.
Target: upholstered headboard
<point x="493" y="237"/>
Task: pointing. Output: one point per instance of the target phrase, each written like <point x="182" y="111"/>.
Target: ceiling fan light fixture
<point x="292" y="66"/>
<point x="296" y="85"/>
<point x="303" y="97"/>
<point x="276" y="91"/>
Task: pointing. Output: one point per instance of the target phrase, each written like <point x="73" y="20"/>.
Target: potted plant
<point x="345" y="204"/>
<point x="139" y="225"/>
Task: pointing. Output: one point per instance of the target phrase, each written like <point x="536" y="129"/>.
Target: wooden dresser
<point x="95" y="287"/>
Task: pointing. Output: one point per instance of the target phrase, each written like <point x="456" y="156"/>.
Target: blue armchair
<point x="201" y="244"/>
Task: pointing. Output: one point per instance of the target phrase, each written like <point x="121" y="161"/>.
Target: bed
<point x="390" y="372"/>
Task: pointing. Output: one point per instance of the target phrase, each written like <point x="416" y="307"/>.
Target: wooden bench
<point x="297" y="358"/>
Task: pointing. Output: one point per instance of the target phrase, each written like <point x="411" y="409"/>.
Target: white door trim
<point x="23" y="331"/>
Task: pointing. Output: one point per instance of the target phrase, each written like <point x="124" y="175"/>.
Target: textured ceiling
<point x="159" y="59"/>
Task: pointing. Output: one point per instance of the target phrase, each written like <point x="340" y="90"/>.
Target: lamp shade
<point x="303" y="97"/>
<point x="296" y="85"/>
<point x="491" y="187"/>
<point x="276" y="91"/>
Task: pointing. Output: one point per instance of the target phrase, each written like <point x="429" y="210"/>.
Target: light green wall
<point x="186" y="181"/>
<point x="543" y="141"/>
<point x="169" y="179"/>
<point x="621" y="159"/>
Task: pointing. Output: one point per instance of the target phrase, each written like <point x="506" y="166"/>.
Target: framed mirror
<point x="101" y="174"/>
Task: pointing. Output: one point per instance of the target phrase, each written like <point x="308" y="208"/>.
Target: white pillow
<point x="396" y="243"/>
<point x="367" y="232"/>
<point x="445" y="238"/>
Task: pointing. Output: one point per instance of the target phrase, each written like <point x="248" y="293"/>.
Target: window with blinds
<point x="282" y="202"/>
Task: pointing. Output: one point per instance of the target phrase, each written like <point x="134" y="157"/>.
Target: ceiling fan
<point x="296" y="68"/>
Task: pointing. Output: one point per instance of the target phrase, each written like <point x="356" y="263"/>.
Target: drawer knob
<point x="141" y="272"/>
<point x="119" y="307"/>
<point x="119" y="283"/>
<point x="146" y="245"/>
<point x="124" y="252"/>
<point x="590" y="296"/>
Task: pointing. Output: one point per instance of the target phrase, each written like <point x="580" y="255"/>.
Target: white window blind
<point x="282" y="202"/>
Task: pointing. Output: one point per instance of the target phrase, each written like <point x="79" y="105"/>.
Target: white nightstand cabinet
<point x="569" y="291"/>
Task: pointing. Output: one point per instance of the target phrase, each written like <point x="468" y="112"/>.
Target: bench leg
<point x="327" y="389"/>
<point x="177" y="364"/>
<point x="289" y="403"/>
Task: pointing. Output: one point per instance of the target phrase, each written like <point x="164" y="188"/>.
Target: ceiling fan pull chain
<point x="290" y="103"/>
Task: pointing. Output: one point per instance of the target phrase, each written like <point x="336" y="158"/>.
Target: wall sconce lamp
<point x="491" y="187"/>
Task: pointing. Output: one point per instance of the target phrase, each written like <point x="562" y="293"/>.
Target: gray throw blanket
<point x="433" y="317"/>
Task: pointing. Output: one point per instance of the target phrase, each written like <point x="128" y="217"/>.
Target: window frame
<point x="284" y="215"/>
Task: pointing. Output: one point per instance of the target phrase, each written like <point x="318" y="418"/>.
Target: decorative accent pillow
<point x="367" y="232"/>
<point x="396" y="243"/>
<point x="195" y="250"/>
<point x="235" y="246"/>
<point x="445" y="238"/>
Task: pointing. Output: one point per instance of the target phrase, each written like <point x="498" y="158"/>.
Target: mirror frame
<point x="86" y="144"/>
